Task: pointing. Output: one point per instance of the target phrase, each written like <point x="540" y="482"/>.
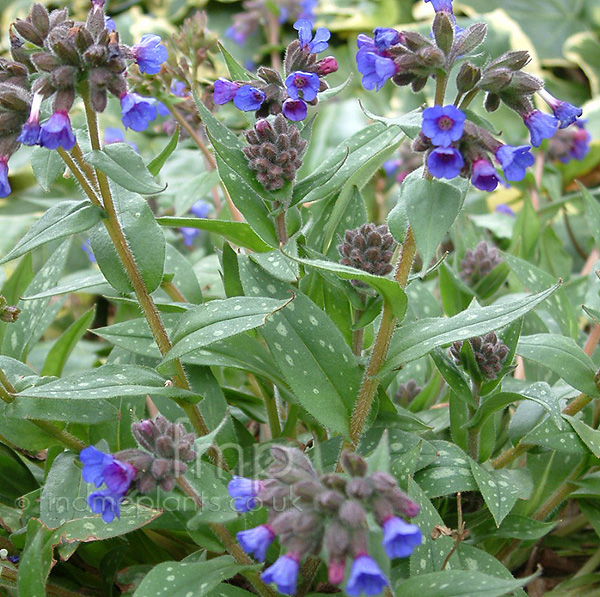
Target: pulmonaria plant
<point x="55" y="59"/>
<point x="290" y="95"/>
<point x="453" y="144"/>
<point x="309" y="512"/>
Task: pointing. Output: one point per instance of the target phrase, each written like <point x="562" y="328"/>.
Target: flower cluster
<point x="407" y="392"/>
<point x="455" y="146"/>
<point x="258" y="11"/>
<point x="479" y="262"/>
<point x="308" y="511"/>
<point x="489" y="352"/>
<point x="303" y="79"/>
<point x="167" y="451"/>
<point x="369" y="248"/>
<point x="570" y="143"/>
<point x="55" y="58"/>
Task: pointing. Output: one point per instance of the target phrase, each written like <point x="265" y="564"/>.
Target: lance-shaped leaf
<point x="418" y="338"/>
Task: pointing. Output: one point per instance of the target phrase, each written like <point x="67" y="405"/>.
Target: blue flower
<point x="443" y="125"/>
<point x="86" y="247"/>
<point x="109" y="23"/>
<point x="504" y="209"/>
<point x="375" y="69"/>
<point x="200" y="209"/>
<point x="179" y="89"/>
<point x="385" y="37"/>
<point x="248" y="98"/>
<point x="284" y="573"/>
<point x="162" y="109"/>
<point x="30" y="133"/>
<point x="224" y="91"/>
<point x="390" y="167"/>
<point x="566" y="113"/>
<point x="399" y="537"/>
<point x="113" y="135"/>
<point x="484" y="175"/>
<point x="301" y="85"/>
<point x="4" y="184"/>
<point x="294" y="110"/>
<point x="256" y="541"/>
<point x="245" y="492"/>
<point x="445" y="162"/>
<point x="149" y="54"/>
<point x="441" y="5"/>
<point x="307" y="9"/>
<point x="541" y="126"/>
<point x="105" y="503"/>
<point x="365" y="577"/>
<point x="137" y="111"/>
<point x="238" y="33"/>
<point x="580" y="146"/>
<point x="57" y="132"/>
<point x="515" y="161"/>
<point x="316" y="44"/>
<point x="99" y="468"/>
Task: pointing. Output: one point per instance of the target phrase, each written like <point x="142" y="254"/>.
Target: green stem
<point x="64" y="437"/>
<point x="468" y="99"/>
<point x="370" y="381"/>
<point x="280" y="226"/>
<point x="473" y="434"/>
<point x="440" y="88"/>
<point x="173" y="292"/>
<point x="52" y="590"/>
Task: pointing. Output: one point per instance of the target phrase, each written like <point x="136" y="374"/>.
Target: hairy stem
<point x="440" y="88"/>
<point x="468" y="99"/>
<point x="280" y="226"/>
<point x="473" y="433"/>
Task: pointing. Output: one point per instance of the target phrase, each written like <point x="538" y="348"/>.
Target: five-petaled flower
<point x="484" y="175"/>
<point x="284" y="573"/>
<point x="365" y="577"/>
<point x="515" y="161"/>
<point x="137" y="111"/>
<point x="316" y="44"/>
<point x="256" y="541"/>
<point x="57" y="132"/>
<point x="244" y="491"/>
<point x="248" y="98"/>
<point x="149" y="54"/>
<point x="541" y="126"/>
<point x="445" y="162"/>
<point x="443" y="124"/>
<point x="4" y="184"/>
<point x="301" y="85"/>
<point x="400" y="537"/>
<point x="565" y="112"/>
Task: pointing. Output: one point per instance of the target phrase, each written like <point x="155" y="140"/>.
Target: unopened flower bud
<point x="407" y="392"/>
<point x="354" y="464"/>
<point x="290" y="465"/>
<point x="327" y="66"/>
<point x="479" y="262"/>
<point x="329" y="501"/>
<point x="489" y="352"/>
<point x="443" y="31"/>
<point x="491" y="102"/>
<point x="359" y="488"/>
<point x="467" y="77"/>
<point x="353" y="514"/>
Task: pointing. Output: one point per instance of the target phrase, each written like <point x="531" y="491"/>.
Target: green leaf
<point x="389" y="289"/>
<point x="456" y="583"/>
<point x="431" y="207"/>
<point x="107" y="381"/>
<point x="64" y="219"/>
<point x="372" y="140"/>
<point x="325" y="386"/>
<point x="239" y="233"/>
<point x="36" y="316"/>
<point x="87" y="280"/>
<point x="218" y="320"/>
<point x="124" y="166"/>
<point x="548" y="435"/>
<point x="410" y="122"/>
<point x="453" y="375"/>
<point x="16" y="479"/>
<point x="47" y="166"/>
<point x="513" y="527"/>
<point x="63" y="347"/>
<point x="248" y="195"/>
<point x="36" y="560"/>
<point x="155" y="166"/>
<point x="184" y="276"/>
<point x="418" y="338"/>
<point x="589" y="436"/>
<point x="187" y="579"/>
<point x="236" y="70"/>
<point x="563" y="356"/>
<point x="145" y="239"/>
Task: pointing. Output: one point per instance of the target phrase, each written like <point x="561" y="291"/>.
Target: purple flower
<point x="390" y="167"/>
<point x="256" y="541"/>
<point x="441" y="5"/>
<point x="445" y="162"/>
<point x="484" y="175"/>
<point x="200" y="209"/>
<point x="179" y="89"/>
<point x="581" y="143"/>
<point x="30" y="133"/>
<point x="504" y="209"/>
<point x="248" y="98"/>
<point x="105" y="503"/>
<point x="443" y="125"/>
<point x="566" y="113"/>
<point x="224" y="91"/>
<point x="311" y="44"/>
<point x="99" y="468"/>
<point x="294" y="110"/>
<point x="137" y="111"/>
<point x="284" y="573"/>
<point x="86" y="247"/>
<point x="375" y="69"/>
<point x="541" y="126"/>
<point x="301" y="85"/>
<point x="238" y="33"/>
<point x="307" y="9"/>
<point x="399" y="537"/>
<point x="4" y="184"/>
<point x="56" y="132"/>
<point x="109" y="23"/>
<point x="162" y="109"/>
<point x="113" y="135"/>
<point x="245" y="492"/>
<point x="385" y="37"/>
<point x="515" y="161"/>
<point x="365" y="577"/>
<point x="149" y="54"/>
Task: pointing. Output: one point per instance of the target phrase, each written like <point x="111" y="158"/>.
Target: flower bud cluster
<point x="291" y="94"/>
<point x="570" y="143"/>
<point x="308" y="511"/>
<point x="8" y="313"/>
<point x="489" y="352"/>
<point x="479" y="262"/>
<point x="167" y="450"/>
<point x="407" y="392"/>
<point x="455" y="146"/>
<point x="369" y="248"/>
<point x="274" y="151"/>
<point x="56" y="58"/>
